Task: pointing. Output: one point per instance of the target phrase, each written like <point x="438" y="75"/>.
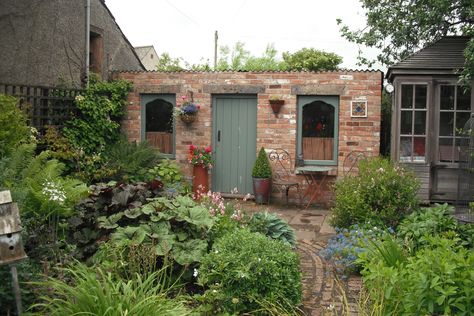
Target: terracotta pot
<point x="188" y="118"/>
<point x="200" y="179"/>
<point x="261" y="189"/>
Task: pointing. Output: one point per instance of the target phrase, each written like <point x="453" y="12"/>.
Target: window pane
<point x="407" y="96"/>
<point x="318" y="131"/>
<point x="405" y="123"/>
<point x="446" y="123"/>
<point x="420" y="97"/>
<point x="463" y="99"/>
<point x="447" y="97"/>
<point x="419" y="148"/>
<point x="461" y="120"/>
<point x="159" y="125"/>
<point x="446" y="150"/>
<point x="405" y="148"/>
<point x="420" y="123"/>
<point x="462" y="147"/>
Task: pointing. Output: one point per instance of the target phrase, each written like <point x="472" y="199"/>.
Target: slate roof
<point x="445" y="56"/>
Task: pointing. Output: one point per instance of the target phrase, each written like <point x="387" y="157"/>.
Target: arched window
<point x="318" y="129"/>
<point x="157" y="122"/>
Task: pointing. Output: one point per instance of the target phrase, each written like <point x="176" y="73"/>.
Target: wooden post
<point x="16" y="288"/>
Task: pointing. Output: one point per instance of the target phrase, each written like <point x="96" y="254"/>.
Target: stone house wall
<point x="272" y="132"/>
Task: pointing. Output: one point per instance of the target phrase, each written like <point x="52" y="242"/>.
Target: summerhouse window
<point x="455" y="110"/>
<point x="318" y="129"/>
<point x="157" y="122"/>
<point x="413" y="118"/>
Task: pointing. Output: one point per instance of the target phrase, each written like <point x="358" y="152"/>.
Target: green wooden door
<point x="234" y="142"/>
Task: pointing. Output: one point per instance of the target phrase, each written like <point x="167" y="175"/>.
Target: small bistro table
<point x="315" y="186"/>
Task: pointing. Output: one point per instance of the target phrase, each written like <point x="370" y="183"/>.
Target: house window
<point x="413" y="120"/>
<point x="454" y="112"/>
<point x="157" y="122"/>
<point x="318" y="118"/>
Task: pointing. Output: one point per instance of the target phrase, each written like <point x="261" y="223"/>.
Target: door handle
<point x="218" y="136"/>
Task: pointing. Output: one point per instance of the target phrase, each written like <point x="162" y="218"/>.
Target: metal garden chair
<point x="283" y="168"/>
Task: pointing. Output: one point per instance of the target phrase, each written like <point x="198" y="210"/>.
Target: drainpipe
<point x="88" y="34"/>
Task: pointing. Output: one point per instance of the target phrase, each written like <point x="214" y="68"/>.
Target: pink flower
<point x="184" y="97"/>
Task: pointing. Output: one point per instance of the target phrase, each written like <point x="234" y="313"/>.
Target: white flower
<point x="195" y="273"/>
<point x="217" y="251"/>
<point x="54" y="192"/>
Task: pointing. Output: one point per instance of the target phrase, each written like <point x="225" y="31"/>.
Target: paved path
<point x="321" y="290"/>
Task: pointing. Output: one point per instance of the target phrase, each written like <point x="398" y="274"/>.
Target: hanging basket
<point x="276" y="105"/>
<point x="188" y="118"/>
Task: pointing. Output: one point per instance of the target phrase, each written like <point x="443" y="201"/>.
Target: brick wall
<point x="354" y="133"/>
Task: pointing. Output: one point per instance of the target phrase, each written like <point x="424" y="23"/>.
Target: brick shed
<point x="326" y="115"/>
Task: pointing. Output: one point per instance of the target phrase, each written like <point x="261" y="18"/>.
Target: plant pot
<point x="200" y="180"/>
<point x="261" y="189"/>
<point x="276" y="105"/>
<point x="188" y="118"/>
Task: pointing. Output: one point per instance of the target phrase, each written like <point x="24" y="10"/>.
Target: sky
<point x="186" y="28"/>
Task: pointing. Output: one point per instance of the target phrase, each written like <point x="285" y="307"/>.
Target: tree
<point x="310" y="59"/>
<point x="240" y="59"/>
<point x="401" y="27"/>
<point x="166" y="63"/>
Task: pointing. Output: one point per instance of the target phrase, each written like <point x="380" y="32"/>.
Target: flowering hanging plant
<point x="200" y="156"/>
<point x="186" y="108"/>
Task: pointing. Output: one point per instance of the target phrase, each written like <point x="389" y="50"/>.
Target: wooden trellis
<point x="44" y="105"/>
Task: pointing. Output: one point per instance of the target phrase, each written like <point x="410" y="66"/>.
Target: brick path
<point x="321" y="290"/>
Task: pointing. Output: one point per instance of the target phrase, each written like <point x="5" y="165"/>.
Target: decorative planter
<point x="261" y="189"/>
<point x="188" y="118"/>
<point x="276" y="105"/>
<point x="200" y="179"/>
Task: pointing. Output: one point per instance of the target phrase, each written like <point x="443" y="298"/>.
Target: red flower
<point x="208" y="149"/>
<point x="191" y="147"/>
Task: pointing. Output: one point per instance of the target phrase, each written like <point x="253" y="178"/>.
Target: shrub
<point x="94" y="292"/>
<point x="380" y="192"/>
<point x="13" y="127"/>
<point x="244" y="269"/>
<point x="274" y="227"/>
<point x="130" y="160"/>
<point x="417" y="227"/>
<point x="262" y="168"/>
<point x="437" y="280"/>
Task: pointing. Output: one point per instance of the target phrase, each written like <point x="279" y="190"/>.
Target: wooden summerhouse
<point x="429" y="111"/>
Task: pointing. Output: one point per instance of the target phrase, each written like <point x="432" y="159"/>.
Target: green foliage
<point x="168" y="172"/>
<point x="13" y="127"/>
<point x="417" y="228"/>
<point x="130" y="160"/>
<point x="100" y="111"/>
<point x="310" y="59"/>
<point x="127" y="214"/>
<point x="274" y="227"/>
<point x="437" y="280"/>
<point x="106" y="200"/>
<point x="380" y="192"/>
<point x="240" y="59"/>
<point x="166" y="63"/>
<point x="95" y="292"/>
<point x="28" y="271"/>
<point x="262" y="168"/>
<point x="399" y="29"/>
<point x="245" y="269"/>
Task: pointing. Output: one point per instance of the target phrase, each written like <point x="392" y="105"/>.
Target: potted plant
<point x="276" y="103"/>
<point x="201" y="160"/>
<point x="262" y="178"/>
<point x="188" y="110"/>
